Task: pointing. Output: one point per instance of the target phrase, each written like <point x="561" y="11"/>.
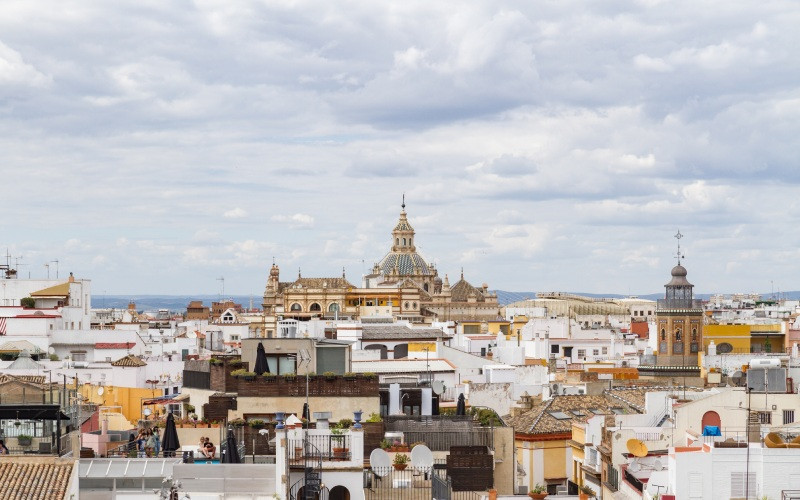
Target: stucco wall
<point x="340" y="407"/>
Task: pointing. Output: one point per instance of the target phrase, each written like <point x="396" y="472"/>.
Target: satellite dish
<point x="739" y="379"/>
<point x="147" y="412"/>
<point x="636" y="448"/>
<point x="634" y="466"/>
<point x="100" y="391"/>
<point x="422" y="458"/>
<point x="438" y="387"/>
<point x="380" y="462"/>
<point x="657" y="465"/>
<point x="51" y="350"/>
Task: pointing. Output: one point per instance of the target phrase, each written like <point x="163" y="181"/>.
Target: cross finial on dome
<point x="299" y="275"/>
<point x="462" y="272"/>
<point x="403" y="206"/>
<point x="679" y="255"/>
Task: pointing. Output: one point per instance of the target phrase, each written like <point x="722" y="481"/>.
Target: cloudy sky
<point x="553" y="145"/>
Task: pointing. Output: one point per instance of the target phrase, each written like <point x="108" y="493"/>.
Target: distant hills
<point x="178" y="303"/>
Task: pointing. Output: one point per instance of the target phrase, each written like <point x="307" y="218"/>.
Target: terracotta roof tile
<point x="543" y="418"/>
<point x="27" y="479"/>
<point x="130" y="361"/>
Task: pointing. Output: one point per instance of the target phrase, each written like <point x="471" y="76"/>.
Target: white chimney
<point x="712" y="348"/>
<point x="427" y="401"/>
<point x="394" y="399"/>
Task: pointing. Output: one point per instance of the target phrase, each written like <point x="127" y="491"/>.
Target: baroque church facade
<point x="401" y="286"/>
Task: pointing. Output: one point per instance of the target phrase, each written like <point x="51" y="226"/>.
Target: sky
<point x="154" y="147"/>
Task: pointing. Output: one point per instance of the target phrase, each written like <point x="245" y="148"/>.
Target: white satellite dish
<point x="634" y="466"/>
<point x="51" y="350"/>
<point x="438" y="387"/>
<point x="422" y="458"/>
<point x="100" y="391"/>
<point x="380" y="462"/>
<point x="658" y="465"/>
<point x="147" y="412"/>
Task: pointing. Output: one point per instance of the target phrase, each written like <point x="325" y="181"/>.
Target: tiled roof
<point x="18" y="346"/>
<point x="386" y="332"/>
<point x="407" y="264"/>
<point x="540" y="418"/>
<point x="461" y="291"/>
<point x="321" y="283"/>
<point x="114" y="345"/>
<point x="635" y="396"/>
<point x="26" y="479"/>
<point x="30" y="379"/>
<point x="130" y="361"/>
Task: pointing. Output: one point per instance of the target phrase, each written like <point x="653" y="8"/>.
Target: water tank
<point x="765" y="363"/>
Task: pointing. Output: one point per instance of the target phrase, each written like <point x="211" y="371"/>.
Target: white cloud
<point x="295" y="221"/>
<point x="236" y="213"/>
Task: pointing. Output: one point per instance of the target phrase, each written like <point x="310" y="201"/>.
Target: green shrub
<point x="28" y="302"/>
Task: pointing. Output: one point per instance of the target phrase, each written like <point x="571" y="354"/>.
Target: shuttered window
<point x="738" y="485"/>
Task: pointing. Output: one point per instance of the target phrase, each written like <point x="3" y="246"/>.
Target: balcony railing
<point x="633" y="481"/>
<point x="324" y="447"/>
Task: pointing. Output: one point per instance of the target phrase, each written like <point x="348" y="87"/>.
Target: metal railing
<point x="388" y="483"/>
<point x="444" y="440"/>
<point x="325" y="447"/>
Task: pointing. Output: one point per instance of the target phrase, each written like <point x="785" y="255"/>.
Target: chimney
<point x="427" y="401"/>
<point x="71" y="278"/>
<point x="394" y="399"/>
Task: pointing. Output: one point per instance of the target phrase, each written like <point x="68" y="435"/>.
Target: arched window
<point x="404" y="242"/>
<point x="296" y="307"/>
<point x="315" y="307"/>
<point x="663" y="334"/>
<point x="678" y="335"/>
<point x="397" y="241"/>
<point x="425" y="287"/>
<point x="694" y="333"/>
<point x="333" y="307"/>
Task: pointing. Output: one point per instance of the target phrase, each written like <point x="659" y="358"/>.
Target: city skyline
<point x="557" y="146"/>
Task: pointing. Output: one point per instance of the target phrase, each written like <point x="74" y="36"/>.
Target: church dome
<point x="679" y="270"/>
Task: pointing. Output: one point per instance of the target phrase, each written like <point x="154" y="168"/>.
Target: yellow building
<point x="544" y="439"/>
<point x="128" y="399"/>
<point x="745" y="338"/>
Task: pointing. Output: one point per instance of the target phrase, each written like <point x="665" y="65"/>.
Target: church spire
<point x="679" y="255"/>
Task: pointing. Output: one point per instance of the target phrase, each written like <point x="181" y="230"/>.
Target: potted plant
<point x="400" y="461"/>
<point x="368" y="375"/>
<point x="290" y="377"/>
<point x="385" y="444"/>
<point x="337" y="442"/>
<point x="257" y="424"/>
<point x="538" y="492"/>
<point x="329" y="375"/>
<point x="350" y="375"/>
<point x="24" y="440"/>
<point x="242" y="373"/>
<point x="374" y="417"/>
<point x="268" y="376"/>
<point x="586" y="493"/>
<point x="397" y="445"/>
<point x="237" y="422"/>
<point x="236" y="363"/>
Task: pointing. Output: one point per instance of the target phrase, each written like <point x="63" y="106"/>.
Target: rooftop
<point x="556" y="415"/>
<point x="40" y="478"/>
<point x="403" y="366"/>
<point x="382" y="332"/>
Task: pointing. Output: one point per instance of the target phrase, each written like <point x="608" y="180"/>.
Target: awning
<point x="163" y="400"/>
<point x="31" y="412"/>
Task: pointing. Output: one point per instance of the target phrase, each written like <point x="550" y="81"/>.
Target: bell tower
<point x="679" y="319"/>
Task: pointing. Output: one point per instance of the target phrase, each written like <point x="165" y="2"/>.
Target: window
<point x="78" y="355"/>
<point x="406" y="304"/>
<point x="595" y="352"/>
<point x="678" y="335"/>
<point x="765" y="417"/>
<point x="581" y="353"/>
<point x="315" y="307"/>
<point x="663" y="334"/>
<point x="296" y="307"/>
<point x="694" y="333"/>
<point x="788" y="417"/>
<point x="724" y="348"/>
<point x="414" y="305"/>
<point x="605" y="350"/>
<point x="404" y="242"/>
<point x="333" y="307"/>
<point x="740" y="481"/>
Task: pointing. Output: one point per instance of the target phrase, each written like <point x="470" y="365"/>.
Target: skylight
<point x="578" y="413"/>
<point x="560" y="415"/>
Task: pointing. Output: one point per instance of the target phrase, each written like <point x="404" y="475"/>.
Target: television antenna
<point x="222" y="279"/>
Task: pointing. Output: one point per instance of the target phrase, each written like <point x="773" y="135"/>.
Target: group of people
<point x="207" y="448"/>
<point x="146" y="444"/>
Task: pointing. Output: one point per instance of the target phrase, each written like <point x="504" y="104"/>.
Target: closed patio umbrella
<point x="231" y="455"/>
<point x="461" y="406"/>
<point x="261" y="360"/>
<point x="170" y="444"/>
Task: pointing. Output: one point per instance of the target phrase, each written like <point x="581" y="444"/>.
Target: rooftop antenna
<point x="222" y="279"/>
<point x="56" y="262"/>
<point x="47" y="265"/>
<point x="679" y="255"/>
